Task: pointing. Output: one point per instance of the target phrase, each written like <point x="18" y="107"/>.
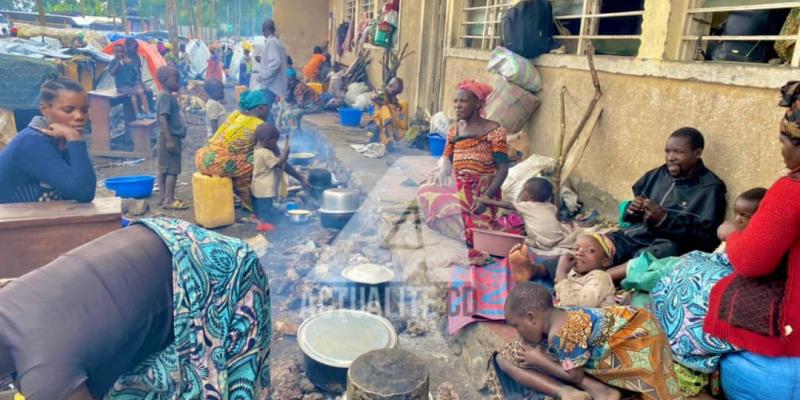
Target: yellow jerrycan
<point x="213" y="200"/>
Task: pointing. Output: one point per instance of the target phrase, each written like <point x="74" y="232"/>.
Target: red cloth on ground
<point x="757" y="252"/>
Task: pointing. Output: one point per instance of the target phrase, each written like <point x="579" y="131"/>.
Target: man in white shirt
<point x="272" y="77"/>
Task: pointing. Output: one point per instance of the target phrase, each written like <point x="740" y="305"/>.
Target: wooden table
<point x="33" y="234"/>
<point x="100" y="103"/>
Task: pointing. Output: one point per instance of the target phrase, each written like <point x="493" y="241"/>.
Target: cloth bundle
<point x="515" y="69"/>
<point x="510" y="105"/>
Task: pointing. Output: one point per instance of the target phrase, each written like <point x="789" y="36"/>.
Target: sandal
<point x="176" y="205"/>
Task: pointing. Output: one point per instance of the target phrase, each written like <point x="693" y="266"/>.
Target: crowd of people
<point x="715" y="289"/>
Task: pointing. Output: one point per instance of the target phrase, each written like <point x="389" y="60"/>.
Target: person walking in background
<point x="272" y="78"/>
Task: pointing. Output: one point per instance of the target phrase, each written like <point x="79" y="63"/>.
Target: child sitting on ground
<point x="172" y="131"/>
<point x="269" y="162"/>
<point x="126" y="79"/>
<point x="597" y="350"/>
<point x="581" y="279"/>
<point x="215" y="110"/>
<point x="535" y="206"/>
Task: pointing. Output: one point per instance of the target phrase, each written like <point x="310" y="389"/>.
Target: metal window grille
<point x="615" y="29"/>
<point x="480" y="23"/>
<point x="699" y="40"/>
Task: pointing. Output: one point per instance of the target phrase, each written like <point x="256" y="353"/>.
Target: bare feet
<point x="570" y="393"/>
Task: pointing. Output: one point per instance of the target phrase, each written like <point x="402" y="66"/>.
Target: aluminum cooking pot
<point x="340" y="200"/>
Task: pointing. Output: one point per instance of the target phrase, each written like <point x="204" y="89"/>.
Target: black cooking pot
<point x="320" y="178"/>
<point x="335" y="220"/>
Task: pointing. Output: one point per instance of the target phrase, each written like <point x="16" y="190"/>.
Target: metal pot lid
<point x="324" y="211"/>
<point x="370" y="274"/>
<point x="336" y="338"/>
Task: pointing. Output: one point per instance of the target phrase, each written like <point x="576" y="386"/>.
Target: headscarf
<point x="605" y="242"/>
<point x="291" y="73"/>
<point x="251" y="99"/>
<point x="480" y="90"/>
<point x="790" y="98"/>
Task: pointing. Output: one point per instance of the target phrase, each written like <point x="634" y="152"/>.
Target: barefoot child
<point x="126" y="79"/>
<point x="535" y="205"/>
<point x="581" y="279"/>
<point x="269" y="162"/>
<point x="172" y="131"/>
<point x="597" y="350"/>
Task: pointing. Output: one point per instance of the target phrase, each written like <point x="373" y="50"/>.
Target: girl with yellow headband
<point x="581" y="279"/>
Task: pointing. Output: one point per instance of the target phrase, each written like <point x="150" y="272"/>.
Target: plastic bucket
<point x="350" y="116"/>
<point x="436" y="144"/>
<point x="137" y="187"/>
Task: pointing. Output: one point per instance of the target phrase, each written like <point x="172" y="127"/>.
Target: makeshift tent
<point x="148" y="51"/>
<point x="198" y="58"/>
<point x="238" y="56"/>
<point x="22" y="92"/>
<point x="258" y="49"/>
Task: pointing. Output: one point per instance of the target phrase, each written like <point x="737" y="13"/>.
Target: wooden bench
<point x="100" y="104"/>
<point x="33" y="234"/>
<point x="141" y="131"/>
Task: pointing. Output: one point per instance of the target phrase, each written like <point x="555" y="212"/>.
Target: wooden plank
<point x="120" y="154"/>
<point x="110" y="93"/>
<point x="34" y="234"/>
<point x="36" y="214"/>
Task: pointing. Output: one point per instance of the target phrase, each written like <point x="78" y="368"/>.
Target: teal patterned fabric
<point x="221" y="322"/>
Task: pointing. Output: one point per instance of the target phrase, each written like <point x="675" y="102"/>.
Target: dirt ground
<point x="286" y="255"/>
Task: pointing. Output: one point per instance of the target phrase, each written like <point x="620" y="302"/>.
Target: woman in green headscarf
<point x="229" y="152"/>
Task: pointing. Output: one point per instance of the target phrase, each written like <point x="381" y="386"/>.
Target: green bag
<point x="646" y="270"/>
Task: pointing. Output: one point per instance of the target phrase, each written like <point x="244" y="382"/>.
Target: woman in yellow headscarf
<point x="229" y="152"/>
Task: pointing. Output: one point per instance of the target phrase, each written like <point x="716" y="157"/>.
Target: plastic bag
<point x="533" y="166"/>
<point x="515" y="69"/>
<point x="440" y="123"/>
<point x="353" y="90"/>
<point x="362" y="101"/>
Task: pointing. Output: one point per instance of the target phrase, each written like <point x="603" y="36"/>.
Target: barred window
<point x="480" y="23"/>
<point x="753" y="31"/>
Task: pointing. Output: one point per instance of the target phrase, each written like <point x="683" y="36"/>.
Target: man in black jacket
<point x="678" y="206"/>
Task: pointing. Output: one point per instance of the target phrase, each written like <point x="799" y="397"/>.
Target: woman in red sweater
<point x="756" y="308"/>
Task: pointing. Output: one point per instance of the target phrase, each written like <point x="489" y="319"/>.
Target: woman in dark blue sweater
<point x="48" y="161"/>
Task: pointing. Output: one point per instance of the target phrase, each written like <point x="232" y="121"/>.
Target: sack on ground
<point x="516" y="69"/>
<point x="510" y="105"/>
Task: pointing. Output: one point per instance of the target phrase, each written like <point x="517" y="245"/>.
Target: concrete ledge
<point x="725" y="73"/>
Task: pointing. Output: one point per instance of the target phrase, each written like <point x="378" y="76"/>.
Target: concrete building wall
<point x="639" y="112"/>
<point x="645" y="99"/>
<point x="301" y="24"/>
<point x="410" y="32"/>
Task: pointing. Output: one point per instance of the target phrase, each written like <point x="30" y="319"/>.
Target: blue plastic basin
<point x="436" y="144"/>
<point x="136" y="187"/>
<point x="350" y="116"/>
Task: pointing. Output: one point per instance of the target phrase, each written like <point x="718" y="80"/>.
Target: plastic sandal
<point x="176" y="205"/>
